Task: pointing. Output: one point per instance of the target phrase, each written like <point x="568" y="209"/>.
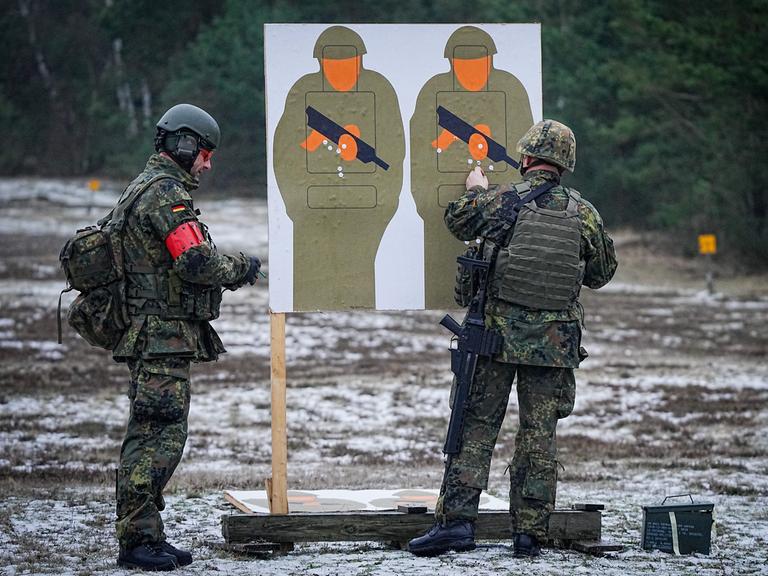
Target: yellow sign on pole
<point x="707" y="244"/>
<point x="94" y="185"/>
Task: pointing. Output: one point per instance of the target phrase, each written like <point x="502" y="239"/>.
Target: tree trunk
<point x="124" y="96"/>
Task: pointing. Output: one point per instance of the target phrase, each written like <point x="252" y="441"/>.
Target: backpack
<point x="93" y="264"/>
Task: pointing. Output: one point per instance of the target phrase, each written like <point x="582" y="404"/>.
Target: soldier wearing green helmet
<point x="550" y="141"/>
<point x="542" y="250"/>
<point x="174" y="278"/>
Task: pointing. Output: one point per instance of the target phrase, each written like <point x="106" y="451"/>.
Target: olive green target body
<point x="439" y="163"/>
<point x="340" y="206"/>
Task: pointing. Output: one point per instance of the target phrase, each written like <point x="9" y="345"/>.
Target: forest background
<point x="668" y="98"/>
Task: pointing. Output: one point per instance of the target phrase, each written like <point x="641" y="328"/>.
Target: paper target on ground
<point x="255" y="501"/>
<point x="371" y="130"/>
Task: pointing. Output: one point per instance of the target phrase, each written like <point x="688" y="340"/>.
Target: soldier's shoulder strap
<point x="533" y="194"/>
<point x="117" y="214"/>
<point x="525" y="195"/>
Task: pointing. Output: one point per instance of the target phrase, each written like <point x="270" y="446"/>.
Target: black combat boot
<point x="183" y="557"/>
<point x="147" y="557"/>
<point x="527" y="545"/>
<point x="458" y="535"/>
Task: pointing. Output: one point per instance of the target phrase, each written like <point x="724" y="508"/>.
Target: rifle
<point x="328" y="128"/>
<point x="463" y="130"/>
<point x="473" y="340"/>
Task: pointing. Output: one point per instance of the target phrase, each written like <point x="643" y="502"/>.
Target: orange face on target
<point x="342" y="73"/>
<point x="472" y="73"/>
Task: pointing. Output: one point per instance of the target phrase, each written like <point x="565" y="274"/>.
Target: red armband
<point x="183" y="238"/>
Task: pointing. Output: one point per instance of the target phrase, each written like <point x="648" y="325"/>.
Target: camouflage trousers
<point x="545" y="394"/>
<point x="154" y="441"/>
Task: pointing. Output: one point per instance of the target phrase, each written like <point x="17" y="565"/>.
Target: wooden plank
<point x="595" y="547"/>
<point x="411" y="508"/>
<point x="389" y="526"/>
<point x="575" y="525"/>
<point x="235" y="502"/>
<point x="588" y="506"/>
<point x="268" y="490"/>
<point x="279" y="495"/>
<point x="257" y="549"/>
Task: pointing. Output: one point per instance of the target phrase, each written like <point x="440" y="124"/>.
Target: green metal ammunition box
<point x="678" y="528"/>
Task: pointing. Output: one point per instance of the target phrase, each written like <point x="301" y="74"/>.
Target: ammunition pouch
<point x="467" y="283"/>
<point x="97" y="316"/>
<point x="161" y="292"/>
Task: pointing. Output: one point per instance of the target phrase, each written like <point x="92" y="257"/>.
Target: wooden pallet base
<point x="390" y="527"/>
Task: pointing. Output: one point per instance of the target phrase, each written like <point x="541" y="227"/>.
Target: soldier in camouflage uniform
<point x="173" y="285"/>
<point x="538" y="266"/>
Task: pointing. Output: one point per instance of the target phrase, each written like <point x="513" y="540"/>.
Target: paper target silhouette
<point x="471" y="116"/>
<point x="338" y="155"/>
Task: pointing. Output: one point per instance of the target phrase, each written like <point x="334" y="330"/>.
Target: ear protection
<point x="186" y="147"/>
<point x="182" y="145"/>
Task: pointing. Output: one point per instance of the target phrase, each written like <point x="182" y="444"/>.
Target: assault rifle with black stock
<point x="471" y="338"/>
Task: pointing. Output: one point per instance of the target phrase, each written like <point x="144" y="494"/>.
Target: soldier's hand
<point x="254" y="265"/>
<point x="477" y="178"/>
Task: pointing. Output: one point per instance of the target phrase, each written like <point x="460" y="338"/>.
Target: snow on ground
<point x="673" y="399"/>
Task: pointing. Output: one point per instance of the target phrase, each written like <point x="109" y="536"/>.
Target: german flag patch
<point x="178" y="208"/>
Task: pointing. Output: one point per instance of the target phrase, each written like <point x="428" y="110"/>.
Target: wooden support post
<point x="278" y="497"/>
<point x="268" y="487"/>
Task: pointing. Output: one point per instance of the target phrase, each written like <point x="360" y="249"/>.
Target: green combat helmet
<point x="194" y="119"/>
<point x="338" y="42"/>
<point x="469" y="42"/>
<point x="551" y="141"/>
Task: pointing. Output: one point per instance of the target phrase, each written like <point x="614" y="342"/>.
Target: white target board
<point x="371" y="131"/>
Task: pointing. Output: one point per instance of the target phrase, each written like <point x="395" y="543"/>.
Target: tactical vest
<point x="159" y="291"/>
<point x="541" y="266"/>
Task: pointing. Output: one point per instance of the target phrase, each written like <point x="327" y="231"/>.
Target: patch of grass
<point x="722" y="487"/>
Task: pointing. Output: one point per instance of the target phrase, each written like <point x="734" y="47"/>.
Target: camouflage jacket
<point x="532" y="336"/>
<point x="154" y="215"/>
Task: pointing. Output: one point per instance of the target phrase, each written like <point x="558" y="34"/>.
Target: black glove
<point x="253" y="270"/>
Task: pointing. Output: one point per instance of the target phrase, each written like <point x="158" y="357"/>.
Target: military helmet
<point x="196" y="120"/>
<point x="551" y="141"/>
<point x="339" y="42"/>
<point x="469" y="42"/>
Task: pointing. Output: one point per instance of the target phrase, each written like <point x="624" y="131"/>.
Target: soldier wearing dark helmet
<point x="174" y="278"/>
<point x="538" y="265"/>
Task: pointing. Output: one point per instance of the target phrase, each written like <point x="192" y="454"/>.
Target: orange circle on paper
<point x="478" y="146"/>
<point x="347" y="147"/>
